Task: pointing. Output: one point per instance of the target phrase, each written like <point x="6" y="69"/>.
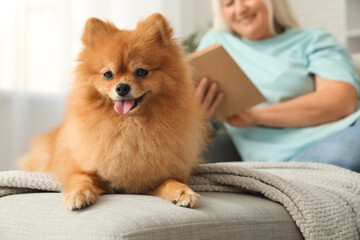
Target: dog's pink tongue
<point x="124" y="106"/>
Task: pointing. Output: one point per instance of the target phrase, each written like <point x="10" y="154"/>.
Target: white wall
<point x="188" y="16"/>
<point x="328" y="14"/>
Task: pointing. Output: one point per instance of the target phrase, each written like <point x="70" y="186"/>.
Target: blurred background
<point x="40" y="40"/>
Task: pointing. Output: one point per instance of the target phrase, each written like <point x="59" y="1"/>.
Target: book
<point x="218" y="66"/>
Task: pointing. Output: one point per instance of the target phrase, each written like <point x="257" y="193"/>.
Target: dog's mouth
<point x="124" y="106"/>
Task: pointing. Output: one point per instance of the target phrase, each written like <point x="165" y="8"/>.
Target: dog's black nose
<point x="123" y="89"/>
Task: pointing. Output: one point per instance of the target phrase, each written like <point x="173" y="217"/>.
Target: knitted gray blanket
<point x="323" y="200"/>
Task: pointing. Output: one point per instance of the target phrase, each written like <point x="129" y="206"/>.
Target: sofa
<point x="219" y="216"/>
<point x="120" y="216"/>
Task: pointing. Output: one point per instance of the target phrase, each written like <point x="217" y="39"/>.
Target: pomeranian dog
<point x="132" y="123"/>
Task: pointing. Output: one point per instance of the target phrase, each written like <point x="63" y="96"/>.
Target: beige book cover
<point x="216" y="64"/>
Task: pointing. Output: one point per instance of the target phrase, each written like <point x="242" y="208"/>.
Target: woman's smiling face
<point x="247" y="18"/>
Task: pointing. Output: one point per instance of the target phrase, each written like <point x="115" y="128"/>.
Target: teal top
<point x="283" y="67"/>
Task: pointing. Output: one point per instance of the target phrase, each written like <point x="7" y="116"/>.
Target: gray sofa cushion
<point x="219" y="216"/>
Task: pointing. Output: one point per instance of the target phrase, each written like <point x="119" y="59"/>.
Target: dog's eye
<point x="108" y="75"/>
<point x="140" y="72"/>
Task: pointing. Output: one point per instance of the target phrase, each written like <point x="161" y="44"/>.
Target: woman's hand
<point x="209" y="98"/>
<point x="243" y="119"/>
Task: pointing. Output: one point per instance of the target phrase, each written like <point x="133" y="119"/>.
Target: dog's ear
<point x="157" y="28"/>
<point x="96" y="29"/>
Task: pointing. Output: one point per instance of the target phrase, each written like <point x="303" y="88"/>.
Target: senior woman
<point x="307" y="77"/>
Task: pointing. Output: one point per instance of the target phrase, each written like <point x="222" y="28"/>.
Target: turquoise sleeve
<point x="329" y="59"/>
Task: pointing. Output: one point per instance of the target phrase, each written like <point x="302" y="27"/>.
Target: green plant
<point x="191" y="42"/>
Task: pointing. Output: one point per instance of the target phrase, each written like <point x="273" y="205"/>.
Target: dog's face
<point x="130" y="67"/>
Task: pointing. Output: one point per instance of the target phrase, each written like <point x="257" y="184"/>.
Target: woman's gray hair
<point x="279" y="11"/>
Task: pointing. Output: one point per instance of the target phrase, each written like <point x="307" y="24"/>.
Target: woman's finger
<point x="201" y="89"/>
<point x="210" y="96"/>
<point x="216" y="103"/>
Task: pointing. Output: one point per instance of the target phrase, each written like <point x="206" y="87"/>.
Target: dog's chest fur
<point x="137" y="158"/>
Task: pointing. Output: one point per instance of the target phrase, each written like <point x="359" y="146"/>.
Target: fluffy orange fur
<point x="150" y="150"/>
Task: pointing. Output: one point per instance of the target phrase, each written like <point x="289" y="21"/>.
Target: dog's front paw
<point x="184" y="198"/>
<point x="178" y="193"/>
<point x="81" y="198"/>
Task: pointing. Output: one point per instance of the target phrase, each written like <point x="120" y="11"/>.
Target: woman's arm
<point x="331" y="101"/>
